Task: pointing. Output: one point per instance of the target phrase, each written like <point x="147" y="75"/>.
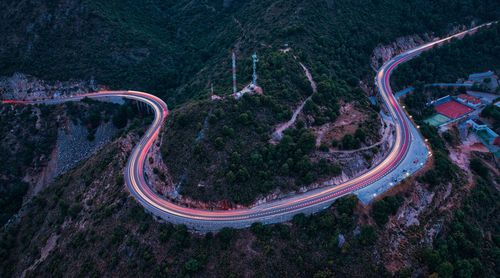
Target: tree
<point x="367" y="235"/>
<point x="463" y="269"/>
<point x="192" y="265"/>
<point x="346" y="205"/>
<point x="219" y="143"/>
<point x="349" y="142"/>
<point x="360" y="134"/>
<point x="307" y="141"/>
<point x="445" y="270"/>
<point x="479" y="168"/>
<point x="385" y="207"/>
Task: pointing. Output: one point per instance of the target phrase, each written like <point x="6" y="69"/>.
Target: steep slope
<point x="91" y="227"/>
<point x="173" y="48"/>
<point x="449" y="63"/>
<point x="86" y="224"/>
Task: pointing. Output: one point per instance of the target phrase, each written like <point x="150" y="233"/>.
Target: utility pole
<point x="254" y="76"/>
<point x="234" y="73"/>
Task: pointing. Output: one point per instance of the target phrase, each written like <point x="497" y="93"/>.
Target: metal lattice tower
<point x="234" y="73"/>
<point x="254" y="75"/>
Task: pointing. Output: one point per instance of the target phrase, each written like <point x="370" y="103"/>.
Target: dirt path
<point x="385" y="136"/>
<point x="44" y="253"/>
<point x="278" y="133"/>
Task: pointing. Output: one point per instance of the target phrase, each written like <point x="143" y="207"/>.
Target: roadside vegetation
<point x="174" y="48"/>
<point x="230" y="140"/>
<point x="492" y="113"/>
<point x="448" y="63"/>
<point x="233" y="158"/>
<point x="28" y="136"/>
<point x="467" y="244"/>
<point x="119" y="238"/>
<point x="22" y="146"/>
<point x="86" y="222"/>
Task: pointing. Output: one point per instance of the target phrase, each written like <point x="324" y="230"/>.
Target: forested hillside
<point x="22" y="147"/>
<point x="173" y="48"/>
<point x="477" y="53"/>
<point x="441" y="222"/>
<point x="467" y="244"/>
<point x="28" y="139"/>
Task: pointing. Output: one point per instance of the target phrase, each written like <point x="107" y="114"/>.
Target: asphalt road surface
<point x="275" y="211"/>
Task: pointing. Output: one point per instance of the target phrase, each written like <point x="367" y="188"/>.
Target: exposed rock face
<point x="383" y="53"/>
<point x="412" y="210"/>
<point x="73" y="146"/>
<point x="341" y="240"/>
<point x="21" y="86"/>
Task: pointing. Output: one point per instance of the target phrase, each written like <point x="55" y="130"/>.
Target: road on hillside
<point x="275" y="211"/>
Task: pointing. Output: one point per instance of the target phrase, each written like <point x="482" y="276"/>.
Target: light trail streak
<point x="276" y="211"/>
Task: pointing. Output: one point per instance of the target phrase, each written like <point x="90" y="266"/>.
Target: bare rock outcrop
<point x="22" y="86"/>
<point x="383" y="53"/>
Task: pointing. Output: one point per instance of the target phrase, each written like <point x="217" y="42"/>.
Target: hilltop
<point x="173" y="48"/>
<point x="315" y="69"/>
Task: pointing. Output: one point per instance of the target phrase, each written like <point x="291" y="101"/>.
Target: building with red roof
<point x="469" y="100"/>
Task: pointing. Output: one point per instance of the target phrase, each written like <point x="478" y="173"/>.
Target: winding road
<point x="275" y="211"/>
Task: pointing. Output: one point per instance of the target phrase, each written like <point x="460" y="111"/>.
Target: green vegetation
<point x="416" y="104"/>
<point x="176" y="49"/>
<point x="352" y="142"/>
<point x="229" y="139"/>
<point x="119" y="238"/>
<point x="28" y="136"/>
<point x="492" y="113"/>
<point x="237" y="144"/>
<point x="469" y="245"/>
<point x="443" y="170"/>
<point x="452" y="61"/>
<point x="418" y="100"/>
<point x="463" y="249"/>
<point x="92" y="113"/>
<point x="173" y="48"/>
<point x="387" y="206"/>
<point x="22" y="145"/>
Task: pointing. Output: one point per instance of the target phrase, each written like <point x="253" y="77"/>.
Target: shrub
<point x="385" y="207"/>
<point x="219" y="143"/>
<point x="192" y="265"/>
<point x="368" y="236"/>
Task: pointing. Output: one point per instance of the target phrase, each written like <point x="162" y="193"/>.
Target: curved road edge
<point x="386" y="173"/>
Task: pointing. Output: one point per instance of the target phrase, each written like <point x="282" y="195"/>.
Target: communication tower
<point x="234" y="73"/>
<point x="254" y="75"/>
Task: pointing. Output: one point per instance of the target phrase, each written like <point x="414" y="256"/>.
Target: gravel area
<point x="73" y="146"/>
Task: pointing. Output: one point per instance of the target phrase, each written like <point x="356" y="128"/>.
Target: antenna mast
<point x="254" y="76"/>
<point x="234" y="73"/>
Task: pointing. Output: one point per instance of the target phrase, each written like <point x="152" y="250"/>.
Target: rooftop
<point x="469" y="99"/>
